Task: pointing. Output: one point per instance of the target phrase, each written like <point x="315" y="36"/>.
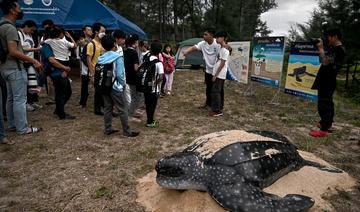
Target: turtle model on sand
<point x="234" y="166"/>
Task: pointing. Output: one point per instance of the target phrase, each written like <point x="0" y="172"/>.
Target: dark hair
<point x="7" y="5"/>
<point x="334" y="32"/>
<point x="144" y="44"/>
<point x="164" y="49"/>
<point x="119" y="34"/>
<point x="96" y="27"/>
<point x="47" y="22"/>
<point x="210" y="30"/>
<point x="222" y="34"/>
<point x="85" y="26"/>
<point x="55" y="31"/>
<point x="131" y="39"/>
<point x="47" y="31"/>
<point x="155" y="48"/>
<point x="28" y="23"/>
<point x="108" y="42"/>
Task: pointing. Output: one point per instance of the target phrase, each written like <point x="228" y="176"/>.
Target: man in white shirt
<point x="210" y="50"/>
<point x="219" y="76"/>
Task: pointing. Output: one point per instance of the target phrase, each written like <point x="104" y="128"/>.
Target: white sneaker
<point x="29" y="108"/>
<point x="36" y="106"/>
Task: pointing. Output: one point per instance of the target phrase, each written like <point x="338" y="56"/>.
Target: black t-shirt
<point x="326" y="77"/>
<point x="130" y="58"/>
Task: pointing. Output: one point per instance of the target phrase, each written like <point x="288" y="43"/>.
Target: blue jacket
<point x="110" y="57"/>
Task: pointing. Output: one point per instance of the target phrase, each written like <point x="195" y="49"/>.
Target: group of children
<point x="128" y="55"/>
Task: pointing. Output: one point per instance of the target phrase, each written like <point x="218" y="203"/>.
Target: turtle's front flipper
<point x="246" y="197"/>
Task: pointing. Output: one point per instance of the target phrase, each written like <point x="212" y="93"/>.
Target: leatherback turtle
<point x="234" y="166"/>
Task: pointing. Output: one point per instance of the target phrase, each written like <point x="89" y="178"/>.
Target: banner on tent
<point x="267" y="60"/>
<point x="303" y="67"/>
<point x="239" y="61"/>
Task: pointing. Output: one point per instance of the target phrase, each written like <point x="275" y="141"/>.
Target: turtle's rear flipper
<point x="322" y="167"/>
<point x="246" y="197"/>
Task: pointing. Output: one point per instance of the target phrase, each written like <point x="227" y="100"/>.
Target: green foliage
<point x="342" y="14"/>
<point x="177" y="20"/>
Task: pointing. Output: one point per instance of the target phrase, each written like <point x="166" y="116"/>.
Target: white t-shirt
<point x="27" y="42"/>
<point x="223" y="55"/>
<point x="159" y="70"/>
<point x="61" y="48"/>
<point x="209" y="52"/>
<point x="120" y="51"/>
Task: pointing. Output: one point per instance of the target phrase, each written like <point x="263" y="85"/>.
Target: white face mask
<point x="101" y="34"/>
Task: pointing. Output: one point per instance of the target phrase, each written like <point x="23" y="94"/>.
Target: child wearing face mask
<point x="61" y="46"/>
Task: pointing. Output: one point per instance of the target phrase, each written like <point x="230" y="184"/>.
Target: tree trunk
<point x="160" y="20"/>
<point x="175" y="6"/>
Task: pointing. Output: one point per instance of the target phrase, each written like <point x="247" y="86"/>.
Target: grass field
<point x="73" y="166"/>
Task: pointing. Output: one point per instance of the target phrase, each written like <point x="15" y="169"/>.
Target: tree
<point x="342" y="14"/>
<point x="178" y="20"/>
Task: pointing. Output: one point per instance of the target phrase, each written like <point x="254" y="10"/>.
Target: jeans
<point x="217" y="96"/>
<point x="150" y="103"/>
<point x="2" y="128"/>
<point x="326" y="107"/>
<point x="62" y="94"/>
<point x="117" y="100"/>
<point x="16" y="83"/>
<point x="137" y="98"/>
<point x="208" y="83"/>
<point x="84" y="90"/>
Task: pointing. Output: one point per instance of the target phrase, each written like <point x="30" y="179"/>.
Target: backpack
<point x="169" y="65"/>
<point x="145" y="76"/>
<point x="103" y="78"/>
<point x="3" y="53"/>
<point x="83" y="53"/>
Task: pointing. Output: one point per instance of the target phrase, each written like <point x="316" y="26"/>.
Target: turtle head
<point x="181" y="171"/>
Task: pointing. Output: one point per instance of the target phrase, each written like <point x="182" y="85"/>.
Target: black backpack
<point x="3" y="53"/>
<point x="83" y="53"/>
<point x="103" y="78"/>
<point x="145" y="76"/>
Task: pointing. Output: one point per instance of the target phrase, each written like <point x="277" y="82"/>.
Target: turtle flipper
<point x="322" y="167"/>
<point x="246" y="197"/>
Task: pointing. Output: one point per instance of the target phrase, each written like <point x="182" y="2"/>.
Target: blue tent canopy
<point x="74" y="14"/>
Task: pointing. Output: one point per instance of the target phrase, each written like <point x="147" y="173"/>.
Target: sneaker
<point x="215" y="114"/>
<point x="111" y="131"/>
<point x="330" y="130"/>
<point x="138" y="115"/>
<point x="68" y="117"/>
<point x="135" y="120"/>
<point x="154" y="124"/>
<point x="132" y="134"/>
<point x="168" y="93"/>
<point x="29" y="107"/>
<point x="36" y="106"/>
<point x="318" y="133"/>
<point x="36" y="90"/>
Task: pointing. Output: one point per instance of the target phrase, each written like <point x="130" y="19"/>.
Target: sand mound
<point x="308" y="181"/>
